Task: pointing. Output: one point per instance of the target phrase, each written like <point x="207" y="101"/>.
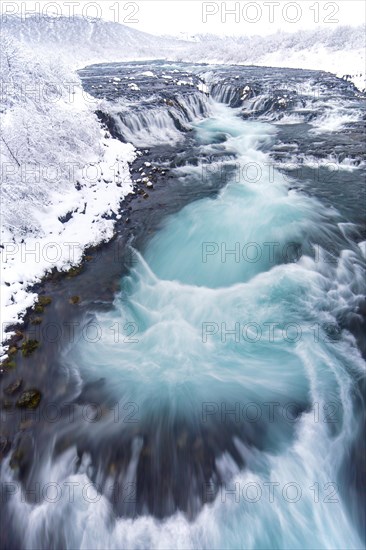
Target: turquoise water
<point x="181" y="364"/>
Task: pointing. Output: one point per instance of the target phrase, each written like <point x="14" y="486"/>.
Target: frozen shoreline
<point x="62" y="246"/>
<point x="79" y="213"/>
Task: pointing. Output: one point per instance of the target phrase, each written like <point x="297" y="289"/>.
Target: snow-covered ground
<point x="351" y="65"/>
<point x="27" y="257"/>
<point x="340" y="51"/>
<point x="62" y="176"/>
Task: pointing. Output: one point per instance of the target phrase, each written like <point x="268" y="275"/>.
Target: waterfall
<point x="163" y="124"/>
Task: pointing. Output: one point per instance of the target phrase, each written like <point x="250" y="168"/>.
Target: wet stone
<point x="36" y="321"/>
<point x="74" y="271"/>
<point x="29" y="399"/>
<point x="44" y="300"/>
<point x="4" y="446"/>
<point x="14" y="387"/>
<point x="16" y="459"/>
<point x="8" y="365"/>
<point x="29" y="346"/>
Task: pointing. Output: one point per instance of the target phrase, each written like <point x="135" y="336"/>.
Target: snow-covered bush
<point x="47" y="132"/>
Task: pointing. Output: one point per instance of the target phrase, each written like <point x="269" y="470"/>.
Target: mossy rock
<point x="74" y="271"/>
<point x="75" y="300"/>
<point x="16" y="459"/>
<point x="29" y="346"/>
<point x="42" y="302"/>
<point x="36" y="321"/>
<point x="30" y="399"/>
<point x="8" y="364"/>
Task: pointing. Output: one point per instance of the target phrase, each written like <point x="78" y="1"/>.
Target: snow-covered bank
<point x="339" y="50"/>
<point x="63" y="176"/>
<point x="60" y="244"/>
<point x="350" y="66"/>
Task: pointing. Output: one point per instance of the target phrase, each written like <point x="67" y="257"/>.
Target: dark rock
<point x="29" y="399"/>
<point x="13" y="387"/>
<point x="36" y="321"/>
<point x="74" y="271"/>
<point x="4" y="446"/>
<point x="17" y="337"/>
<point x="29" y="346"/>
<point x="8" y="364"/>
<point x="16" y="459"/>
<point x="44" y="300"/>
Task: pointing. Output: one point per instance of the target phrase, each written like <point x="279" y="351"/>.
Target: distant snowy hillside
<point x="338" y="50"/>
<point x="79" y="40"/>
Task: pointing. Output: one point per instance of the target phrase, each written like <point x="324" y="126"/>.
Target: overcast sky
<point x="196" y="16"/>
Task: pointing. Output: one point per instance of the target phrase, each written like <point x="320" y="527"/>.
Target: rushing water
<point x="229" y="407"/>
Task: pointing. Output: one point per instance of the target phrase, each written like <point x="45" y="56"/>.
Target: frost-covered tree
<point x="47" y="132"/>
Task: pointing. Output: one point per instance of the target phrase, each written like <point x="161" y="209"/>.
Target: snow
<point x="147" y="73"/>
<point x="184" y="83"/>
<point x="351" y="62"/>
<point x="203" y="88"/>
<point x="245" y="94"/>
<point x="61" y="245"/>
<point x="339" y="50"/>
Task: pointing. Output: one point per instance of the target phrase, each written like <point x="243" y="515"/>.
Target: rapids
<point x="224" y="385"/>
